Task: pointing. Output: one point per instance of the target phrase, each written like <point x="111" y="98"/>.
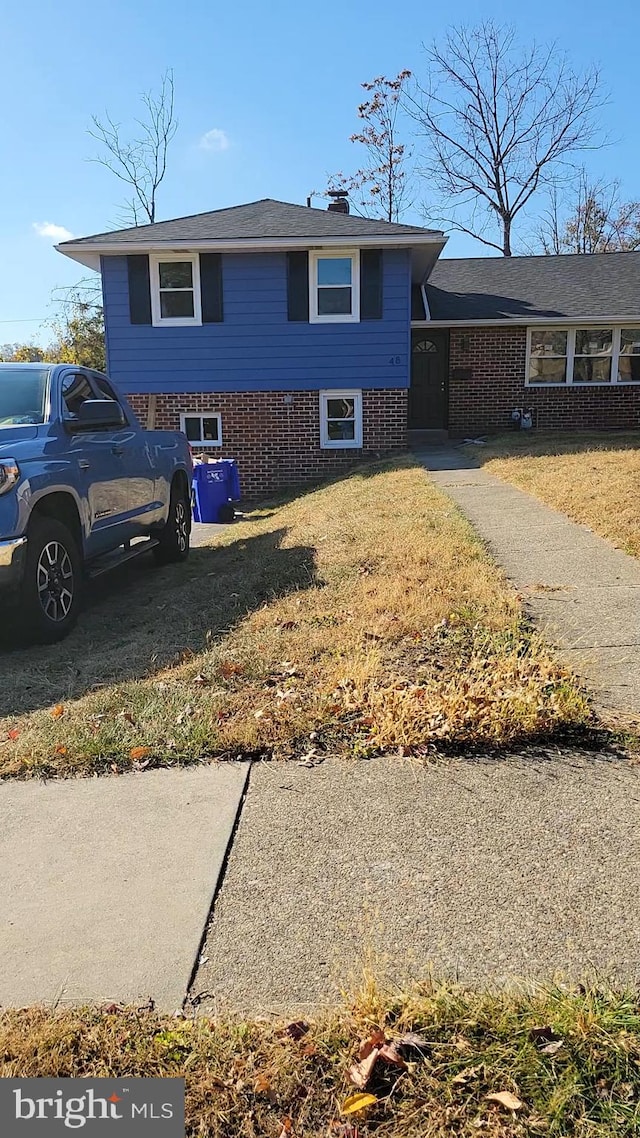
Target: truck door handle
<point x="83" y="464"/>
<point x="117" y="450"/>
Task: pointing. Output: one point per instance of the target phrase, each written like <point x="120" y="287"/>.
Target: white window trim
<point x="325" y="254"/>
<point x="202" y="415"/>
<point x="157" y="319"/>
<point x="341" y="444"/>
<point x="571" y="352"/>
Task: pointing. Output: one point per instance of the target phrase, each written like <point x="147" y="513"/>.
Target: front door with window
<point x="429" y="394"/>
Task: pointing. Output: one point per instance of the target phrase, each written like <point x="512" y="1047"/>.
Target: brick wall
<point x="277" y="444"/>
<point x="487" y="369"/>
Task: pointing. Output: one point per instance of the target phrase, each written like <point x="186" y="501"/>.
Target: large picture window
<point x="583" y="356"/>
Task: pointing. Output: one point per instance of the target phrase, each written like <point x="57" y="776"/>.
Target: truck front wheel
<point x="50" y="591"/>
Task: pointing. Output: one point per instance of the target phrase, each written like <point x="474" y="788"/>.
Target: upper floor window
<point x="334" y="287"/>
<point x="583" y="356"/>
<point x="175" y="289"/>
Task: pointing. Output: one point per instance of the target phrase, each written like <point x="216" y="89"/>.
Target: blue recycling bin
<point x="215" y="486"/>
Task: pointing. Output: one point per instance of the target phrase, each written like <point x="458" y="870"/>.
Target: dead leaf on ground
<point x="262" y="1084"/>
<point x="288" y="624"/>
<point x="389" y="1054"/>
<point x="229" y="668"/>
<point x="287" y="1128"/>
<point x="505" y="1099"/>
<point x="200" y="680"/>
<point x="357" y="1102"/>
<point x="375" y="1040"/>
<point x="13" y="734"/>
<point x="126" y="715"/>
<point x="553" y="1047"/>
<point x="57" y="711"/>
<point x="360" y="1072"/>
<point x="137" y="753"/>
<point x="60" y="750"/>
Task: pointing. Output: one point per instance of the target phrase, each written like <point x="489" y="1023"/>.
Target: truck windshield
<point x="22" y="396"/>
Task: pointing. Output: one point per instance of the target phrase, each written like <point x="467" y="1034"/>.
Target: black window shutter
<point x="298" y="286"/>
<point x="371" y="284"/>
<point x="211" y="287"/>
<point x="139" y="290"/>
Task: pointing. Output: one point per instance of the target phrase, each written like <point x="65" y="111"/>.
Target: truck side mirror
<point x="97" y="414"/>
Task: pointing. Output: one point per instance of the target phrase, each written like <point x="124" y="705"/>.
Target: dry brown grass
<point x="362" y="616"/>
<point x="595" y="479"/>
<point x="245" y="1079"/>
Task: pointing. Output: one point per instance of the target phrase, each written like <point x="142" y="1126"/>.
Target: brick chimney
<point x="339" y="201"/>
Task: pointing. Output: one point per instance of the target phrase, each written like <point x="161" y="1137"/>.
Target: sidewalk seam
<point x="218" y="886"/>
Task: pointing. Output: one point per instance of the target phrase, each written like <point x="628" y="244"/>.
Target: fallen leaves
<point x="137" y="753"/>
<point x="13" y="734"/>
<point x="505" y="1099"/>
<point x="377" y="1048"/>
<point x="357" y="1102"/>
<point x="58" y="711"/>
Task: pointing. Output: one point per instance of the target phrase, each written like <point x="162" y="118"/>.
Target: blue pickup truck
<point x="82" y="488"/>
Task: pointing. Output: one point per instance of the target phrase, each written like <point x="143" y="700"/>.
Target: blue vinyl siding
<point x="256" y="348"/>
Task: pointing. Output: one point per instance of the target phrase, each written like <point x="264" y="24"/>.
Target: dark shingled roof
<point x="265" y="218"/>
<point x="593" y="285"/>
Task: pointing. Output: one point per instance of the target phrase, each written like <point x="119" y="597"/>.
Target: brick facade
<point x="275" y="436"/>
<point x="487" y="371"/>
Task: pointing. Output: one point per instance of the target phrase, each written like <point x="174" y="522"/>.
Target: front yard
<point x="595" y="478"/>
<point x="361" y="617"/>
<point x="551" y="1063"/>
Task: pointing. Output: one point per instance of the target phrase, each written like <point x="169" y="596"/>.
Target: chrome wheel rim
<point x="55" y="581"/>
<point x="182" y="527"/>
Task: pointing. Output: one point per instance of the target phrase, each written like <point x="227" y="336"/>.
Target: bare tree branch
<point x="591" y="219"/>
<point x="141" y="162"/>
<point x="498" y="121"/>
<point x="383" y="186"/>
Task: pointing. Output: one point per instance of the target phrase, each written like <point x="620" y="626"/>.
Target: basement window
<point x="340" y="419"/>
<point x="583" y="357"/>
<point x="202" y="430"/>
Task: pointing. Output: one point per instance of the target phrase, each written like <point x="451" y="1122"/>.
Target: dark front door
<point x="429" y="394"/>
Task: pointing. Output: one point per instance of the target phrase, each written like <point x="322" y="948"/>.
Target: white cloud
<point x="215" y="140"/>
<point x="48" y="229"/>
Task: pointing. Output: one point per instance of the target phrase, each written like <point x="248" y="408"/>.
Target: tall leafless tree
<point x="593" y="218"/>
<point x="141" y="160"/>
<point x="498" y="121"/>
<point x="382" y="187"/>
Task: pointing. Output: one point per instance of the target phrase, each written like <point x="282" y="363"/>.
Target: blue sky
<point x="279" y="79"/>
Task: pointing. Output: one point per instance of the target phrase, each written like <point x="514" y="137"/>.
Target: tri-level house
<point x="300" y="340"/>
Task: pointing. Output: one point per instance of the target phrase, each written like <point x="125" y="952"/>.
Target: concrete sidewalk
<point x="581" y="591"/>
<point x="490" y="872"/>
<point x="107" y="883"/>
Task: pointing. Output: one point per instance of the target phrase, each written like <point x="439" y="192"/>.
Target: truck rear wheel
<point x="49" y="597"/>
<point x="174" y="537"/>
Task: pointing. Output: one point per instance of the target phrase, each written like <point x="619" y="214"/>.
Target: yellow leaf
<point x="139" y="753"/>
<point x="506" y="1099"/>
<point x="57" y="711"/>
<point x="61" y="750"/>
<point x="354" y="1103"/>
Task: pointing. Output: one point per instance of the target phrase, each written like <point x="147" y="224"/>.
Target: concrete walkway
<point x="107" y="883"/>
<point x="491" y="871"/>
<point x="581" y="591"/>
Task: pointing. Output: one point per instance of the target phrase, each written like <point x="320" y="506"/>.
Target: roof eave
<point x="529" y="321"/>
<point x="88" y="253"/>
